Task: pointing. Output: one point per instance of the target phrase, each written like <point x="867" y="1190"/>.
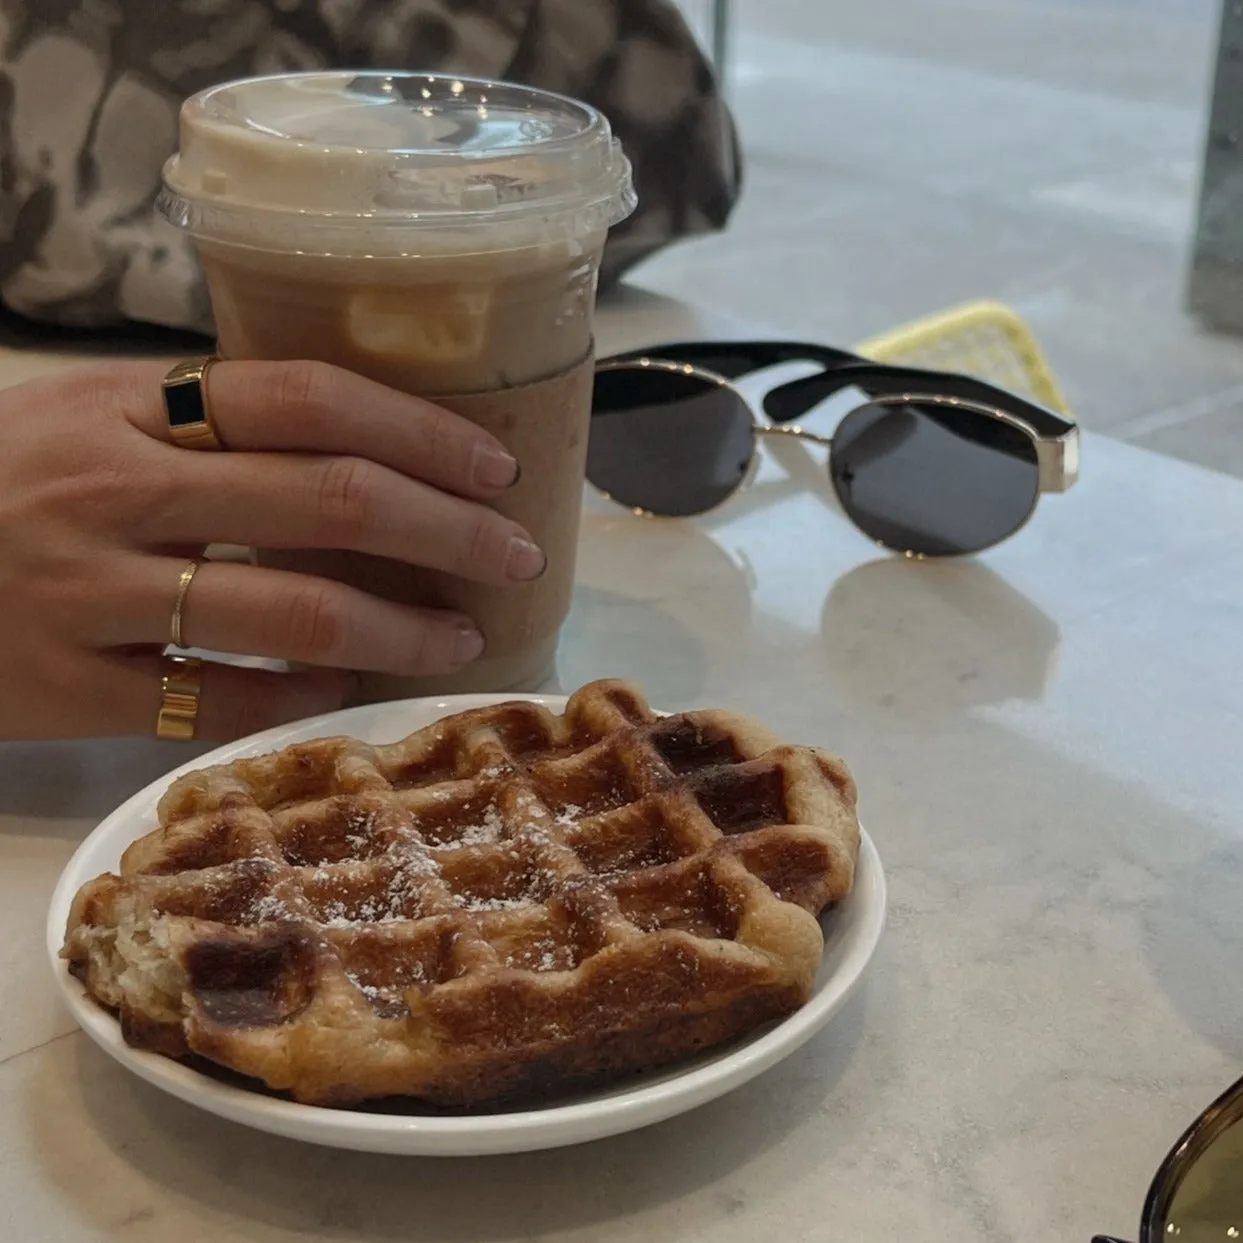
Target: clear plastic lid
<point x="356" y="163"/>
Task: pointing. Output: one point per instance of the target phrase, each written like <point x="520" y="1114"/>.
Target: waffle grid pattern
<point x="500" y="902"/>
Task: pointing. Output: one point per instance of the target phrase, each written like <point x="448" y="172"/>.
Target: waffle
<point x="501" y="907"/>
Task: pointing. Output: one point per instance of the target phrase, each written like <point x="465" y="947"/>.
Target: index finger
<point x="313" y="407"/>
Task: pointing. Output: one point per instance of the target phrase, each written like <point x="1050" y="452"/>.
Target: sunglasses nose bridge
<point x="826" y="491"/>
<point x="797" y="433"/>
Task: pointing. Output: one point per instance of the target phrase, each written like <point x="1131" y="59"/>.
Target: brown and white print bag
<point x="90" y="89"/>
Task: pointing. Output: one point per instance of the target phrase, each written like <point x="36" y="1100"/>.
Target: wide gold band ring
<point x="185" y="402"/>
<point x="180" y="683"/>
<point x="177" y="635"/>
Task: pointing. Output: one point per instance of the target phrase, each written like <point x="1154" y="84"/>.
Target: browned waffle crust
<point x="506" y="904"/>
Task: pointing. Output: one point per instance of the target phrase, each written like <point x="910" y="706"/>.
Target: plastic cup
<point x="443" y="236"/>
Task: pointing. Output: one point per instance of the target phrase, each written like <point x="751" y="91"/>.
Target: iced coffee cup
<point x="442" y="236"/>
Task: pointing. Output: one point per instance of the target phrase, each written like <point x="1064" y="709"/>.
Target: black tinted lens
<point x="934" y="480"/>
<point x="668" y="442"/>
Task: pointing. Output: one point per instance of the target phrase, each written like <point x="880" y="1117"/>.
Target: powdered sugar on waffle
<point x="270" y="907"/>
<point x="497" y="904"/>
<point x="358" y="831"/>
<point x="396" y="901"/>
<point x="405" y="975"/>
<point x="370" y="991"/>
<point x="488" y="830"/>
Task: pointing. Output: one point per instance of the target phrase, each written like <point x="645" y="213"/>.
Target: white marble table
<point x="1047" y="742"/>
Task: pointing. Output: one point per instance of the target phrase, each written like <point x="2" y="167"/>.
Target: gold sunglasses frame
<point x="1057" y="457"/>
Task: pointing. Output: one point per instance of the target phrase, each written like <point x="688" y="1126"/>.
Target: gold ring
<point x="180" y="684"/>
<point x="176" y="630"/>
<point x="185" y="402"/>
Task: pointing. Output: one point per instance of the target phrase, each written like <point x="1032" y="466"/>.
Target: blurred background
<point x="903" y="155"/>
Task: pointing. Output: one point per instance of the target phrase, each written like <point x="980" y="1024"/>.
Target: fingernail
<point x="494" y="468"/>
<point x="468" y="645"/>
<point x="524" y="560"/>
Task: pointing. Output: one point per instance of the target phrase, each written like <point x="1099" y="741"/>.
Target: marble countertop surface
<point x="1047" y="743"/>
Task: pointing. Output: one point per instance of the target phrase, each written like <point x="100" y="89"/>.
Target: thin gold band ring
<point x="177" y="635"/>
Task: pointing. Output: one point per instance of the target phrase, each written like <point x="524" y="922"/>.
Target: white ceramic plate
<point x="851" y="934"/>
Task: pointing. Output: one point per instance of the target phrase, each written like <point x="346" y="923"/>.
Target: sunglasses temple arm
<point x="733" y="359"/>
<point x="794" y="399"/>
<point x="1106" y="1238"/>
<point x="790" y="401"/>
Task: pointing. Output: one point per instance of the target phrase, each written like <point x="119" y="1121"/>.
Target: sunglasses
<point x="931" y="464"/>
<point x="1197" y="1195"/>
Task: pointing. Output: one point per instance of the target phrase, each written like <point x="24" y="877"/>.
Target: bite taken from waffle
<point x="502" y="907"/>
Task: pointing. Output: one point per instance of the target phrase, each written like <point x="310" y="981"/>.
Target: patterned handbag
<point x="89" y="93"/>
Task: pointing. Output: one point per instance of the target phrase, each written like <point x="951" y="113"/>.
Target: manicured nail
<point x="494" y="468"/>
<point x="525" y="560"/>
<point x="468" y="645"/>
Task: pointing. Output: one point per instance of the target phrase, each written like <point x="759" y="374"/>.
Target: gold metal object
<point x="185" y="403"/>
<point x="179" y="698"/>
<point x="177" y="629"/>
<point x="1057" y="456"/>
